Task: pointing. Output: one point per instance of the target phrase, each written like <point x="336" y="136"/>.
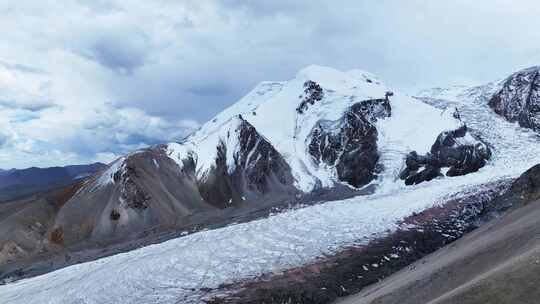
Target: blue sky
<point x="82" y="81"/>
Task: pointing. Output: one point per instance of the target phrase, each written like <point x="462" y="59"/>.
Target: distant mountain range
<point x="16" y="183"/>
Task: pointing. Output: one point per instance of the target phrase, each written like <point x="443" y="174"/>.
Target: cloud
<point x="209" y="89"/>
<point x="4" y="138"/>
<point x="106" y="76"/>
<point x="99" y="133"/>
<point x="51" y="119"/>
<point x="21" y="68"/>
<point x="33" y="105"/>
<point x="266" y="8"/>
<point x="122" y="51"/>
<point x="23" y="87"/>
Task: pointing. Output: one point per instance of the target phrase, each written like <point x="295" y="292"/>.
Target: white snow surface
<point x="107" y="177"/>
<point x="203" y="146"/>
<point x="167" y="272"/>
<point x="271" y="109"/>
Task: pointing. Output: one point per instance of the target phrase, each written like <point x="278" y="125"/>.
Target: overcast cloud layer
<point x="88" y="80"/>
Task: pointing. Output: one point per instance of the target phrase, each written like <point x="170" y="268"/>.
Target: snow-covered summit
<point x="324" y="131"/>
<point x="273" y="109"/>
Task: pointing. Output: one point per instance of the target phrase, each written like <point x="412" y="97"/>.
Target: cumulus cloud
<point x="23" y="87"/>
<point x="102" y="133"/>
<point x="120" y="50"/>
<point x="21" y="68"/>
<point x="106" y="76"/>
<point x="61" y="118"/>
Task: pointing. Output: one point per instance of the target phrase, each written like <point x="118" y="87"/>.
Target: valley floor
<point x="180" y="270"/>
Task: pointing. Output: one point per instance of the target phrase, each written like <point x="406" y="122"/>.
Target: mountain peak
<point x="334" y="79"/>
<point x="530" y="69"/>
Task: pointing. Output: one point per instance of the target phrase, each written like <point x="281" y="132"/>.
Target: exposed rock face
<point x="131" y="194"/>
<point x="313" y="92"/>
<point x="257" y="170"/>
<point x="457" y="150"/>
<point x="519" y="99"/>
<point x="148" y="189"/>
<point x="143" y="190"/>
<point x="524" y="190"/>
<point x="350" y="144"/>
<point x="527" y="186"/>
<point x="259" y="162"/>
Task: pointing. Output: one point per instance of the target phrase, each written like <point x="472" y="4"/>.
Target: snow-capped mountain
<point x="286" y="114"/>
<point x="314" y="129"/>
<point x="516" y="98"/>
<point x="321" y="131"/>
<point x="324" y="129"/>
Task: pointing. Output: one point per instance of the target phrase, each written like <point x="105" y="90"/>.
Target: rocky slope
<point x="350" y="144"/>
<point x="498" y="263"/>
<point x="519" y="98"/>
<point x="159" y="186"/>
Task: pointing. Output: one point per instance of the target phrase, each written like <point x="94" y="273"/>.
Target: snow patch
<point x="203" y="146"/>
<point x="107" y="177"/>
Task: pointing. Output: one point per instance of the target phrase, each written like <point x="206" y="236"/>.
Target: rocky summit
<point x="519" y="98"/>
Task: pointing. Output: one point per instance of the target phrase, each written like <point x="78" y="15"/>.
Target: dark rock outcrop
<point x="259" y="169"/>
<point x="261" y="164"/>
<point x="131" y="194"/>
<point x="313" y="92"/>
<point x="350" y="144"/>
<point x="524" y="190"/>
<point x="519" y="99"/>
<point x="457" y="150"/>
<point x="527" y="186"/>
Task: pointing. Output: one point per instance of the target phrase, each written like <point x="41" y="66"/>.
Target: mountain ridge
<point x="170" y="186"/>
<point x="324" y="131"/>
<point x="15" y="183"/>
